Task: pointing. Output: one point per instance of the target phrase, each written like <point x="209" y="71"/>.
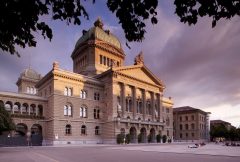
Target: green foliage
<point x="221" y="131"/>
<point x="149" y="138"/>
<point x="169" y="140"/>
<point x="20" y="19"/>
<point x="139" y="138"/>
<point x="131" y="15"/>
<point x="6" y="123"/>
<point x="120" y="138"/>
<point x="190" y="10"/>
<point x="128" y="138"/>
<point x="159" y="137"/>
<point x="164" y="138"/>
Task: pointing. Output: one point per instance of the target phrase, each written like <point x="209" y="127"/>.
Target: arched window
<point x="186" y="126"/>
<point x="68" y="91"/>
<point x="97" y="130"/>
<point x="24" y="108"/>
<point x="83" y="112"/>
<point x="31" y="90"/>
<point x="8" y="106"/>
<point x="83" y="130"/>
<point x="65" y="91"/>
<point x="83" y="94"/>
<point x="68" y="129"/>
<point x="67" y="110"/>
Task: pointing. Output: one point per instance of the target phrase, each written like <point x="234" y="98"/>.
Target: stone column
<point x="13" y="108"/>
<point x="160" y="106"/>
<point x="134" y="108"/>
<point x="123" y="97"/>
<point x="29" y="109"/>
<point x="152" y="105"/>
<point x="144" y="103"/>
<point x="36" y="110"/>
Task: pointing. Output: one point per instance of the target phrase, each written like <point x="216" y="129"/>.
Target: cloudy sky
<point x="200" y="66"/>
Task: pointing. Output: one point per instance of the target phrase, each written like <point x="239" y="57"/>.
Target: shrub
<point x="127" y="139"/>
<point x="164" y="138"/>
<point x="159" y="137"/>
<point x="120" y="139"/>
<point x="139" y="138"/>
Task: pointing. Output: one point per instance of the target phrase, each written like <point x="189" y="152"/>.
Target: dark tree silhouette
<point x="190" y="10"/>
<point x="6" y="122"/>
<point x="20" y="19"/>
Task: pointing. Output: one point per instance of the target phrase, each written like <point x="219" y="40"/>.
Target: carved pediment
<point x="140" y="72"/>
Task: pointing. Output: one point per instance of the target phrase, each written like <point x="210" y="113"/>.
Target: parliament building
<point x="95" y="102"/>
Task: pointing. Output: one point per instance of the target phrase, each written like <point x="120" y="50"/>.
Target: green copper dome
<point x="97" y="32"/>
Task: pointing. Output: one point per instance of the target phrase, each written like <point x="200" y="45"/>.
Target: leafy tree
<point x="20" y="19"/>
<point x="218" y="131"/>
<point x="164" y="138"/>
<point x="6" y="123"/>
<point x="190" y="10"/>
<point x="120" y="138"/>
<point x="159" y="137"/>
<point x="128" y="138"/>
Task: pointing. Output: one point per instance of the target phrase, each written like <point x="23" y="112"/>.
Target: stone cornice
<point x="77" y="77"/>
<point x="101" y="45"/>
<point x="22" y="96"/>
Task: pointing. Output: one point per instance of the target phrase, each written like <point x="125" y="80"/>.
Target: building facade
<point x="98" y="100"/>
<point x="190" y="124"/>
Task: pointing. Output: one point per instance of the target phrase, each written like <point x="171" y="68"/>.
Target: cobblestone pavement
<point x="122" y="153"/>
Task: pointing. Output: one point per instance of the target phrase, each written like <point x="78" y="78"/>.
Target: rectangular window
<point x="104" y="60"/>
<point x="95" y="114"/>
<point x="96" y="96"/>
<point x="98" y="114"/>
<point x="108" y="62"/>
<point x="101" y="59"/>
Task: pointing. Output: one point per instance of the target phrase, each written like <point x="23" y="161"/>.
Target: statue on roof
<point x="139" y="59"/>
<point x="98" y="23"/>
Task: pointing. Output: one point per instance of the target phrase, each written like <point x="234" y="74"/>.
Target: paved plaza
<point x="121" y="153"/>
